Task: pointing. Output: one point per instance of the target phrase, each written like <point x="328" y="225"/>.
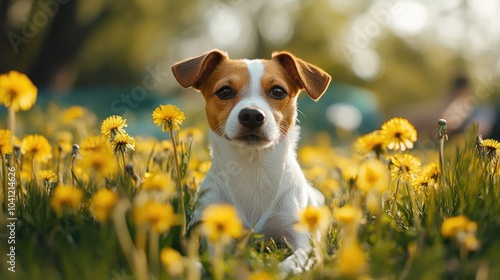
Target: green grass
<point x="75" y="246"/>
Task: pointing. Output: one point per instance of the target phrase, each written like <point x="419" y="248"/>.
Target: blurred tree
<point x="116" y="43"/>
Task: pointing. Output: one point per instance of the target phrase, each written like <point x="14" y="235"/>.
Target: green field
<point x="117" y="206"/>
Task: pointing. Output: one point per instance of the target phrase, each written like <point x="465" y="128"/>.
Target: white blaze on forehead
<point x="256" y="70"/>
<point x="252" y="97"/>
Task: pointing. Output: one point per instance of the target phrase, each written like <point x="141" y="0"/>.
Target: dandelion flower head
<point x="371" y="142"/>
<point x="17" y="90"/>
<point x="169" y="117"/>
<point x="405" y="167"/>
<point x="113" y="125"/>
<point x="372" y="175"/>
<point x="103" y="202"/>
<point x="5" y="141"/>
<point x="36" y="147"/>
<point x="160" y="216"/>
<point x="172" y="260"/>
<point x="221" y="223"/>
<point x="121" y="142"/>
<point x="399" y="134"/>
<point x="314" y="219"/>
<point x="66" y="197"/>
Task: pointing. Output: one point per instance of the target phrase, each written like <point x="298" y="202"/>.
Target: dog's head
<point x="251" y="103"/>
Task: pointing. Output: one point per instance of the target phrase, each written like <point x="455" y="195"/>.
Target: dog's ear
<point x="190" y="72"/>
<point x="309" y="77"/>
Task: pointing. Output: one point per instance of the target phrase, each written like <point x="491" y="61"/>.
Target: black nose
<point x="251" y="118"/>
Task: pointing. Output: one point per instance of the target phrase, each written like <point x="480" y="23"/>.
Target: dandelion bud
<point x="75" y="150"/>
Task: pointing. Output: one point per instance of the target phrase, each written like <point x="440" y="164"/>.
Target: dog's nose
<point x="251" y="118"/>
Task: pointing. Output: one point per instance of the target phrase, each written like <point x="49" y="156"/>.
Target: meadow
<point x="83" y="199"/>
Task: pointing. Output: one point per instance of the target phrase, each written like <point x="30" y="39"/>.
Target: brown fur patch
<point x="284" y="110"/>
<point x="231" y="73"/>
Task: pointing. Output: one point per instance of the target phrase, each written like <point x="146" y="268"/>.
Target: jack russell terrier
<point x="251" y="107"/>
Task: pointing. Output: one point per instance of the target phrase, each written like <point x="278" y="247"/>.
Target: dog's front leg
<point x="300" y="260"/>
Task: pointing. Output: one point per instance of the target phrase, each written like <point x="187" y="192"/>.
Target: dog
<point x="251" y="107"/>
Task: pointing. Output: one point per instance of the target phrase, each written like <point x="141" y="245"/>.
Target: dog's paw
<point x="297" y="263"/>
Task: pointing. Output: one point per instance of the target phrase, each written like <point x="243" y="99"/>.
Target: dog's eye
<point x="277" y="92"/>
<point x="225" y="92"/>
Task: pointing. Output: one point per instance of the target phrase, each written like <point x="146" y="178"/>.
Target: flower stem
<point x="121" y="229"/>
<point x="59" y="165"/>
<point x="135" y="258"/>
<point x="193" y="247"/>
<point x="218" y="261"/>
<point x="179" y="185"/>
<point x="12" y="122"/>
<point x="413" y="206"/>
<point x="123" y="162"/>
<point x="4" y="180"/>
<point x="154" y="249"/>
<point x="395" y="199"/>
<point x="442" y="137"/>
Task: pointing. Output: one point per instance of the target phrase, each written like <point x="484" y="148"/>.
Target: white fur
<point x="253" y="99"/>
<point x="265" y="183"/>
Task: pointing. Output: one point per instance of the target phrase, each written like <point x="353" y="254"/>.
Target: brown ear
<point x="190" y="72"/>
<point x="309" y="77"/>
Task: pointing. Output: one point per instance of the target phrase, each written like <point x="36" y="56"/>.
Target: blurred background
<point x="422" y="60"/>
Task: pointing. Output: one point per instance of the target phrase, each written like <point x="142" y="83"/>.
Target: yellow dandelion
<point x="372" y="175"/>
<point x="316" y="173"/>
<point x="121" y="142"/>
<point x="5" y="141"/>
<point x="36" y="147"/>
<point x="350" y="174"/>
<point x="463" y="230"/>
<point x="431" y="171"/>
<point x="73" y="113"/>
<point x="374" y="203"/>
<point x="351" y="260"/>
<point x="471" y="243"/>
<point x="66" y="197"/>
<point x="328" y="186"/>
<point x="169" y="117"/>
<point x="191" y="134"/>
<point x="172" y="260"/>
<point x="262" y="275"/>
<point x="204" y="166"/>
<point x="220" y="223"/>
<point x="47" y="176"/>
<point x="348" y="215"/>
<point x="490" y="148"/>
<point x="405" y="167"/>
<point x="166" y="145"/>
<point x="398" y="134"/>
<point x="145" y="145"/>
<point x="160" y="216"/>
<point x="81" y="174"/>
<point x="371" y="142"/>
<point x="113" y="125"/>
<point x="103" y="202"/>
<point x="104" y="163"/>
<point x="17" y="90"/>
<point x="313" y="219"/>
<point x="158" y="182"/>
<point x="422" y="184"/>
<point x="453" y="225"/>
<point x="194" y="180"/>
<point x="64" y="140"/>
<point x="93" y="144"/>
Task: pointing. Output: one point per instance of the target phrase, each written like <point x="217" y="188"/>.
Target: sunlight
<point x="412" y="19"/>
